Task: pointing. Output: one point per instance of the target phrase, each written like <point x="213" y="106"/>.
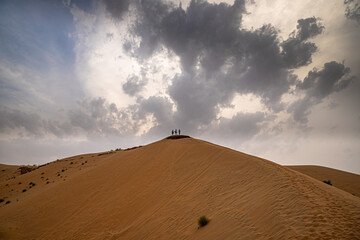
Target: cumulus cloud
<point x="160" y="108"/>
<point x="317" y="85"/>
<point x="100" y="118"/>
<point x="197" y="101"/>
<point x="296" y="51"/>
<point x="333" y="77"/>
<point x="308" y="28"/>
<point x="352" y="9"/>
<point x="117" y="8"/>
<point x="134" y="85"/>
<point x="219" y="58"/>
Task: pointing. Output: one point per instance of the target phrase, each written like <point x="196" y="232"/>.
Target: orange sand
<point x="160" y="190"/>
<point x="346" y="181"/>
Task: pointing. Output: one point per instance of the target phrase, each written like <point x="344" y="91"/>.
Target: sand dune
<point x="159" y="191"/>
<point x="346" y="181"/>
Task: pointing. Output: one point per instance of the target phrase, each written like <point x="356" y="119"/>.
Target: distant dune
<point x="346" y="181"/>
<point x="159" y="191"/>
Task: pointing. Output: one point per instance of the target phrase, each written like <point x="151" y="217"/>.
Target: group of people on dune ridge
<point x="175" y="132"/>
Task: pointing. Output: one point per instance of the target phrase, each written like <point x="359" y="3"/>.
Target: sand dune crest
<point x="159" y="191"/>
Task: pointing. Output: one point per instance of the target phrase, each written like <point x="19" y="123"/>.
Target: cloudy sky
<point x="278" y="79"/>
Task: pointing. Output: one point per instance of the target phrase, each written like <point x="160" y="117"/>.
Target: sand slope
<point x="346" y="181"/>
<point x="160" y="190"/>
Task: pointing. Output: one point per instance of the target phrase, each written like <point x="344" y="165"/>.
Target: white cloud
<point x="101" y="65"/>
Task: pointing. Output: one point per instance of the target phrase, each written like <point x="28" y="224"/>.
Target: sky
<point x="276" y="79"/>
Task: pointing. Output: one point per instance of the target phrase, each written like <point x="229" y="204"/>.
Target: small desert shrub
<point x="202" y="221"/>
<point x="104" y="153"/>
<point x="7" y="202"/>
<point x="1" y="200"/>
<point x="328" y="182"/>
<point x="24" y="170"/>
<point x="24" y="190"/>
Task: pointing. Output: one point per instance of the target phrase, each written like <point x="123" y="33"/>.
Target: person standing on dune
<point x="172" y="132"/>
<point x="175" y="131"/>
<point x="179" y="131"/>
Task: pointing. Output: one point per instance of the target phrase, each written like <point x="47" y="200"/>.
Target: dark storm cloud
<point x="308" y="28"/>
<point x="205" y="34"/>
<point x="160" y="109"/>
<point x="218" y="57"/>
<point x="333" y="77"/>
<point x="242" y="125"/>
<point x="301" y="109"/>
<point x="296" y="51"/>
<point x="319" y="84"/>
<point x="151" y="14"/>
<point x="259" y="67"/>
<point x="203" y="28"/>
<point x="117" y="8"/>
<point x="352" y="9"/>
<point x="197" y="100"/>
<point x="133" y="85"/>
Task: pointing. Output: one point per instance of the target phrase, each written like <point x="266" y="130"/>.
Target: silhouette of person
<point x="179" y="131"/>
<point x="172" y="132"/>
<point x="175" y="131"/>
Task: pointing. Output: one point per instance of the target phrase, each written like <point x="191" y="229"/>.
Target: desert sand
<point x="346" y="181"/>
<point x="158" y="191"/>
